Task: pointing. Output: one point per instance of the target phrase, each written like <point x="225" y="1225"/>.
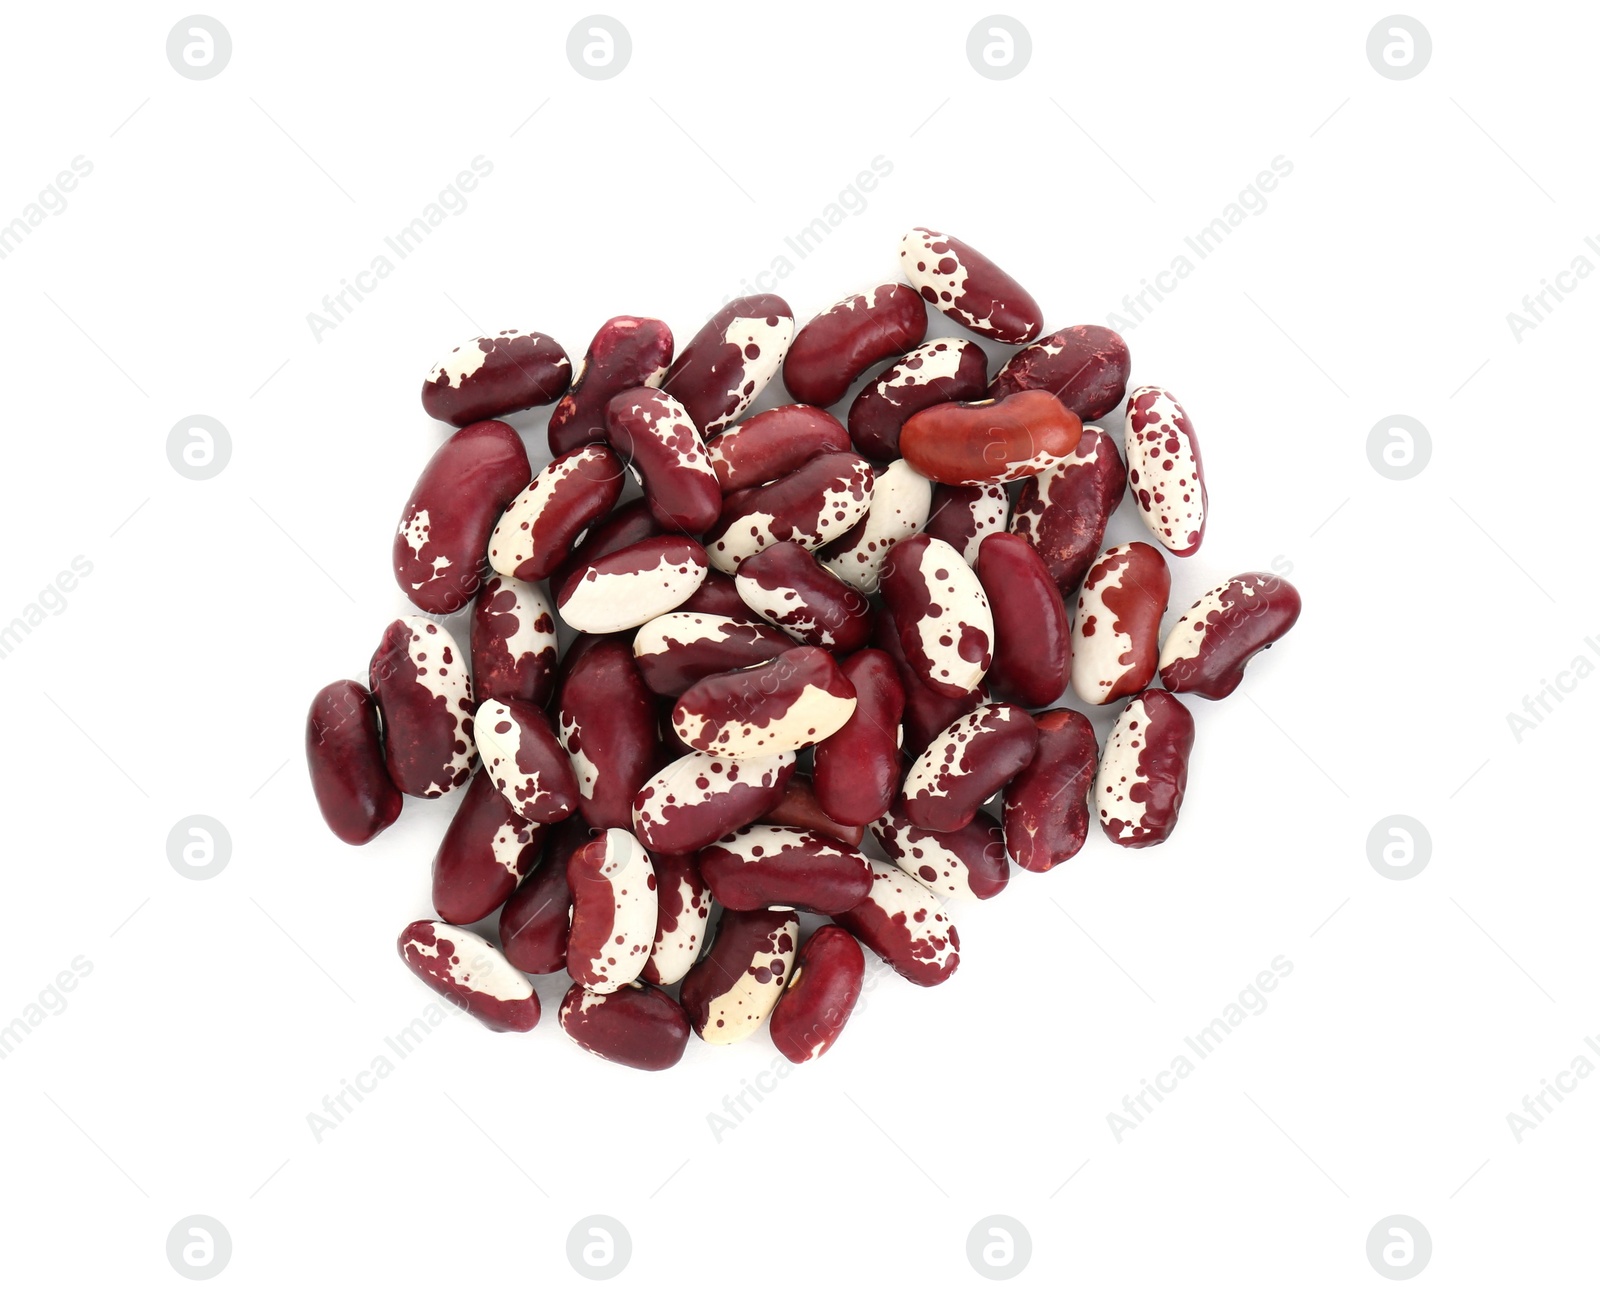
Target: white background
<point x="179" y="1076"/>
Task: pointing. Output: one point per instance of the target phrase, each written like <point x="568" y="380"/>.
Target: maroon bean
<point x="1140" y="785"/>
<point x="798" y="698"/>
<point x="962" y="516"/>
<point x="470" y="973"/>
<point x="628" y="351"/>
<point x="766" y="865"/>
<point x="941" y="615"/>
<point x="662" y="446"/>
<point x="968" y="863"/>
<point x="943" y="369"/>
<point x="820" y="500"/>
<point x="444" y="531"/>
<point x="1032" y="638"/>
<point x="608" y="730"/>
<point x="526" y="760"/>
<point x="538" y="528"/>
<point x="636" y="1025"/>
<point x="786" y="586"/>
<point x="625" y="524"/>
<point x="1064" y="510"/>
<point x="799" y="809"/>
<point x="926" y="712"/>
<point x="844" y="341"/>
<point x="968" y="287"/>
<point x="344" y="751"/>
<point x="768" y="445"/>
<point x="820" y="996"/>
<point x="1164" y="469"/>
<point x="717" y="596"/>
<point x="969" y="762"/>
<point x="1047" y="804"/>
<point x="730" y="360"/>
<point x="485" y="378"/>
<point x="535" y="921"/>
<point x="676" y="649"/>
<point x="683" y="907"/>
<point x="699" y="798"/>
<point x="419" y="679"/>
<point x="901" y="499"/>
<point x="486" y="852"/>
<point x="901" y="923"/>
<point x="856" y="770"/>
<point x="513" y="642"/>
<point x="1208" y="649"/>
<point x="973" y="443"/>
<point x="1085" y="366"/>
<point x="631" y="585"/>
<point x="613" y="911"/>
<point x="1117" y="634"/>
<point x="730" y="992"/>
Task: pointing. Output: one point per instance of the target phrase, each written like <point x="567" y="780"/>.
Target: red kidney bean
<point x="613" y="911"/>
<point x="535" y="921"/>
<point x="419" y="679"/>
<point x="941" y="614"/>
<point x="799" y="809"/>
<point x="484" y="378"/>
<point x="926" y="712"/>
<point x="820" y="500"/>
<point x="344" y="752"/>
<point x="1164" y="469"/>
<point x="962" y="516"/>
<point x="717" y="596"/>
<point x="699" y="798"/>
<point x="628" y="587"/>
<point x="971" y="760"/>
<point x="820" y="995"/>
<point x="439" y="546"/>
<point x="768" y="445"/>
<point x="798" y="698"/>
<point x="765" y="865"/>
<point x="968" y="864"/>
<point x="629" y="351"/>
<point x="676" y="649"/>
<point x="1047" y="805"/>
<point x="730" y="360"/>
<point x="968" y="287"/>
<point x="901" y="499"/>
<point x="470" y="973"/>
<point x="970" y="443"/>
<point x="1064" y="510"/>
<point x="1208" y="649"/>
<point x="1117" y="633"/>
<point x="730" y="992"/>
<point x="607" y="720"/>
<point x="1084" y="366"/>
<point x="513" y="642"/>
<point x="538" y="528"/>
<point x="683" y="907"/>
<point x="525" y="759"/>
<point x="654" y="433"/>
<point x="487" y="850"/>
<point x="1139" y="788"/>
<point x="1032" y="638"/>
<point x="844" y="341"/>
<point x="944" y="369"/>
<point x="626" y="524"/>
<point x="901" y="923"/>
<point x="636" y="1025"/>
<point x="856" y="770"/>
<point x="786" y="586"/>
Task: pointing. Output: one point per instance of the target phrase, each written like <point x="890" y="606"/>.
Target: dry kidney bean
<point x="764" y="866"/>
<point x="1084" y="366"/>
<point x="524" y="758"/>
<point x="820" y="500"/>
<point x="699" y="798"/>
<point x="847" y="339"/>
<point x="538" y="528"/>
<point x="968" y="863"/>
<point x="798" y="698"/>
<point x="683" y="907"/>
<point x="798" y="808"/>
<point x="344" y="750"/>
<point x="513" y="642"/>
<point x="941" y="614"/>
<point x="901" y="498"/>
<point x="607" y="720"/>
<point x="1047" y="805"/>
<point x="1208" y="649"/>
<point x="487" y="850"/>
<point x="625" y="525"/>
<point x="1064" y="510"/>
<point x="968" y="763"/>
<point x="1164" y="469"/>
<point x="730" y="992"/>
<point x="470" y="973"/>
<point x="1032" y="638"/>
<point x="629" y="351"/>
<point x="973" y="443"/>
<point x="821" y="993"/>
<point x="786" y="586"/>
<point x="943" y="369"/>
<point x="1139" y="788"/>
<point x="635" y="1025"/>
<point x="535" y="921"/>
<point x="1117" y="633"/>
<point x="439" y="546"/>
<point x="856" y="770"/>
<point x="613" y="911"/>
<point x="631" y="585"/>
<point x="926" y="712"/>
<point x="484" y="378"/>
<point x="655" y="435"/>
<point x="419" y="679"/>
<point x="962" y="516"/>
<point x="901" y="923"/>
<point x="768" y="445"/>
<point x="730" y="360"/>
<point x="676" y="649"/>
<point x="716" y="596"/>
<point x="968" y="287"/>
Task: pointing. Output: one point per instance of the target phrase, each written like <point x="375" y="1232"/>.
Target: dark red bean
<point x="730" y="360"/>
<point x="636" y="1025"/>
<point x="631" y="585"/>
<point x="699" y="798"/>
<point x="819" y="501"/>
<point x="344" y="751"/>
<point x="608" y="729"/>
<point x="470" y="973"/>
<point x="485" y="378"/>
<point x="683" y="907"/>
<point x="678" y="649"/>
<point x="926" y="712"/>
<point x="628" y="351"/>
<point x="419" y="678"/>
<point x="535" y="921"/>
<point x="717" y="596"/>
<point x="1032" y="637"/>
<point x="969" y="288"/>
<point x="1145" y="770"/>
<point x="798" y="698"/>
<point x="820" y="996"/>
<point x="940" y="370"/>
<point x="1064" y="510"/>
<point x="661" y="444"/>
<point x="538" y="529"/>
<point x="767" y="865"/>
<point x="971" y="443"/>
<point x="799" y="809"/>
<point x="786" y="586"/>
<point x="844" y="341"/>
<point x="513" y="642"/>
<point x="526" y="760"/>
<point x="901" y="923"/>
<point x="941" y="614"/>
<point x="968" y="864"/>
<point x="856" y="771"/>
<point x="962" y="516"/>
<point x="1047" y="804"/>
<point x="1085" y="366"/>
<point x="1116" y="636"/>
<point x="1209" y="647"/>
<point x="968" y="763"/>
<point x="486" y="852"/>
<point x="613" y="911"/>
<point x="768" y="445"/>
<point x="730" y="992"/>
<point x="626" y="524"/>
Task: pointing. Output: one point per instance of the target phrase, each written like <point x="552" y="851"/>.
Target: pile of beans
<point x="803" y="631"/>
